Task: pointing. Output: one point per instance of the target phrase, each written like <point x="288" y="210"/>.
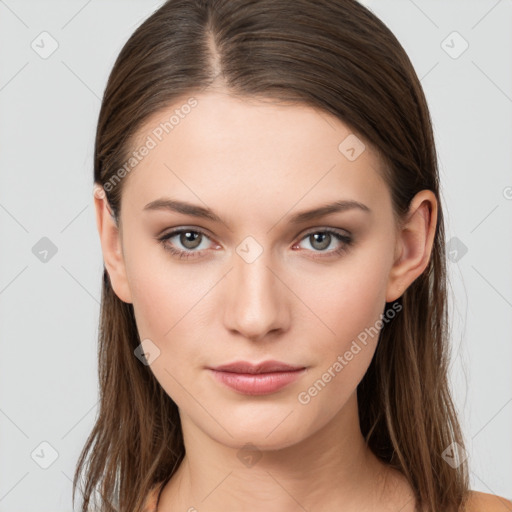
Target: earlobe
<point x="111" y="246"/>
<point x="414" y="244"/>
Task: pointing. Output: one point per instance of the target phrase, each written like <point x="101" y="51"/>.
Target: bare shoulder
<point x="483" y="502"/>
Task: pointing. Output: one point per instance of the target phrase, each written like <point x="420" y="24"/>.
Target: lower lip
<point x="259" y="383"/>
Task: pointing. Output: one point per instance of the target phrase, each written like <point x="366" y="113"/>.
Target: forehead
<point x="216" y="146"/>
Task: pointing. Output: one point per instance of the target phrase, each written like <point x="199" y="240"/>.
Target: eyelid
<point x="176" y="231"/>
<point x="179" y="229"/>
<point x="345" y="240"/>
<point x="182" y="229"/>
<point x="344" y="237"/>
<point x="322" y="229"/>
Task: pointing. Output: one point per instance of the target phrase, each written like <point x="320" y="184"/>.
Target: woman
<point x="273" y="328"/>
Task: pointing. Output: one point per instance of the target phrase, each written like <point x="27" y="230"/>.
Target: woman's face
<point x="256" y="278"/>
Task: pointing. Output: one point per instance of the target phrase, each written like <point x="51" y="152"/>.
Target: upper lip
<point x="263" y="367"/>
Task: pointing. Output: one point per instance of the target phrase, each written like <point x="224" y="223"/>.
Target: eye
<point x="190" y="239"/>
<point x="321" y="239"/>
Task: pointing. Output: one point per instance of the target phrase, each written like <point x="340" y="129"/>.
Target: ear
<point x="111" y="246"/>
<point x="414" y="244"/>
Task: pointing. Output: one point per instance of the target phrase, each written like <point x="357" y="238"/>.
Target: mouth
<point x="257" y="379"/>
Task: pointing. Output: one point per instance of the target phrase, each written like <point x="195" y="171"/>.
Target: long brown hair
<point x="336" y="56"/>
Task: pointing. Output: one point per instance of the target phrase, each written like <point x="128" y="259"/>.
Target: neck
<point x="332" y="467"/>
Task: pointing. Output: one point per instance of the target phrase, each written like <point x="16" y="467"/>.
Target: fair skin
<point x="255" y="165"/>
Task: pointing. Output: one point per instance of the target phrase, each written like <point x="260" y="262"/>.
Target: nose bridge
<point x="256" y="303"/>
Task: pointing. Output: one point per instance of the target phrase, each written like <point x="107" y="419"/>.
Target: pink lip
<point x="257" y="379"/>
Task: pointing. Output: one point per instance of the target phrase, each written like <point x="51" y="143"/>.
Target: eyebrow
<point x="206" y="213"/>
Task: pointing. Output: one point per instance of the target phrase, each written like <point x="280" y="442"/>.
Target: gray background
<point x="49" y="303"/>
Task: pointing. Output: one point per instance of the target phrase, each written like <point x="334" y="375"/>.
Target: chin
<point x="258" y="441"/>
<point x="265" y="432"/>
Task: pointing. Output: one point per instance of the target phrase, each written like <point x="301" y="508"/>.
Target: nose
<point x="257" y="304"/>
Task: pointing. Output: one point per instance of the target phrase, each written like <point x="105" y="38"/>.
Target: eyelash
<point x="346" y="241"/>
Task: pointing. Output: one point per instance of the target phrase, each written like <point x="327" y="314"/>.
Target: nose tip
<point x="256" y="305"/>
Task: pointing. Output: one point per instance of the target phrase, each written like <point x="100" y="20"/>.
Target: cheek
<point x="348" y="305"/>
<point x="163" y="292"/>
<point x="347" y="300"/>
<point x="165" y="313"/>
<point x="351" y="305"/>
<point x="157" y="304"/>
<point x="169" y="305"/>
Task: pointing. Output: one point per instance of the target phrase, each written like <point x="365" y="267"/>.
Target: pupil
<point x="190" y="244"/>
<point x="325" y="238"/>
